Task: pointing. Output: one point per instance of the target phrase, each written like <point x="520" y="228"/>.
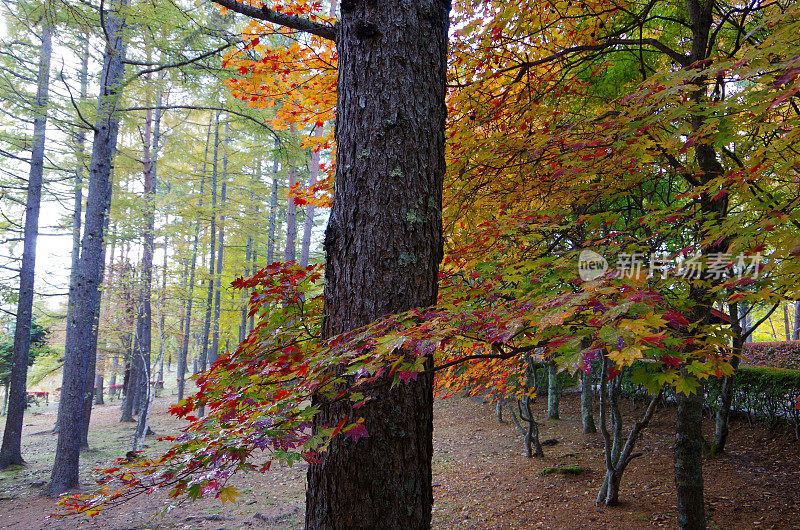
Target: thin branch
<point x="178" y="64"/>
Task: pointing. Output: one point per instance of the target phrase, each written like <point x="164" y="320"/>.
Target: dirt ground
<point x="481" y="478"/>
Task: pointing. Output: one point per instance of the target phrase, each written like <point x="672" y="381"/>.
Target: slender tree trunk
<point x="728" y="383"/>
<point x="787" y="331"/>
<point x="98" y="385"/>
<point x="144" y="321"/>
<point x="587" y="419"/>
<point x="11" y="450"/>
<point x="82" y="328"/>
<point x="211" y="267"/>
<point x="291" y="220"/>
<point x="251" y="320"/>
<point x="553" y="392"/>
<point x="161" y="311"/>
<point x="214" y="353"/>
<point x="273" y="208"/>
<point x="247" y="257"/>
<point x="308" y="224"/>
<point x="796" y="331"/>
<point x="390" y="162"/>
<point x="187" y="326"/>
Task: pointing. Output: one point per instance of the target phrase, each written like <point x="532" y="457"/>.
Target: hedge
<point x="765" y="394"/>
<point x="783" y="354"/>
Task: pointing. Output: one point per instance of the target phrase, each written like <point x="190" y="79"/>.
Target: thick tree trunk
<point x="384" y="245"/>
<point x="82" y="328"/>
<point x="11" y="450"/>
<point x="689" y="461"/>
<point x="91" y="377"/>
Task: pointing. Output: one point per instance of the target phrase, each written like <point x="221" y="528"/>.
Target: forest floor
<point x="481" y="478"/>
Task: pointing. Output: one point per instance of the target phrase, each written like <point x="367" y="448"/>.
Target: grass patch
<point x="565" y="470"/>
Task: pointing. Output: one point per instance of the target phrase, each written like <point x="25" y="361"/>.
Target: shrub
<point x="783" y="354"/>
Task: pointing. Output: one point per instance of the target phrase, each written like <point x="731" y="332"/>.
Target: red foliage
<point x="780" y="354"/>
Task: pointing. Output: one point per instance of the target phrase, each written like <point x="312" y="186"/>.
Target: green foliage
<point x="38" y="347"/>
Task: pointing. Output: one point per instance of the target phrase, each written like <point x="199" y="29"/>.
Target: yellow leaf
<point x="627" y="356"/>
<point x="229" y="493"/>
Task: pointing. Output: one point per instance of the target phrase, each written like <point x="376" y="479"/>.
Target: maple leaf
<point x="357" y="432"/>
<point x="686" y="385"/>
<point x="228" y="493"/>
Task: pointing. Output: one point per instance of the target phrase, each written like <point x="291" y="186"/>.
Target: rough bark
<point x="11" y="450"/>
<point x="384" y="245"/>
<point x="85" y="298"/>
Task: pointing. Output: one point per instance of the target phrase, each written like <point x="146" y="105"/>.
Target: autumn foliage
<point x="555" y="145"/>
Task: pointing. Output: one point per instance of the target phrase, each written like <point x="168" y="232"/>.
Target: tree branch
<point x="298" y="23"/>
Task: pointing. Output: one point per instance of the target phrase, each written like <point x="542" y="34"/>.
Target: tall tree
<point x="85" y="298"/>
<point x="184" y="353"/>
<point x="217" y="278"/>
<point x="211" y="255"/>
<point x="273" y="206"/>
<point x="390" y="162"/>
<point x="291" y="219"/>
<point x="11" y="450"/>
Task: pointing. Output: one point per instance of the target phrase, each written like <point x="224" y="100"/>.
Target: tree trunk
<point x="689" y="461"/>
<point x="308" y="222"/>
<point x="787" y="332"/>
<point x="553" y="392"/>
<point x="82" y="328"/>
<point x="214" y="353"/>
<point x="11" y="450"/>
<point x="273" y="208"/>
<point x="98" y="392"/>
<point x="291" y="220"/>
<point x="201" y="365"/>
<point x="728" y="383"/>
<point x="187" y="326"/>
<point x="796" y="331"/>
<point x="390" y="166"/>
<point x="587" y="420"/>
